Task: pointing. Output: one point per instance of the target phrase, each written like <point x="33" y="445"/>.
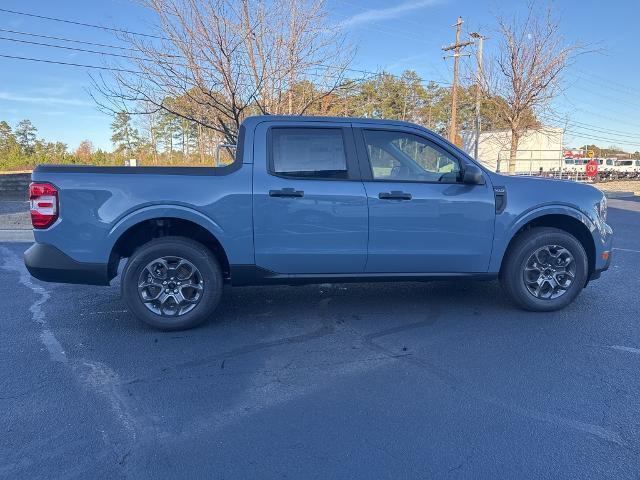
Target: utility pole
<point x="456" y="47"/>
<point x="480" y="74"/>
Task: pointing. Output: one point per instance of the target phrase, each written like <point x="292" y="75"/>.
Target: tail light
<point x="44" y="204"/>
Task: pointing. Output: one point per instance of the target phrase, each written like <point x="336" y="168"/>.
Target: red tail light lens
<point x="44" y="204"/>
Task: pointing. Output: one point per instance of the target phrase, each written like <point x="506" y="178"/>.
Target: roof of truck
<point x="252" y="121"/>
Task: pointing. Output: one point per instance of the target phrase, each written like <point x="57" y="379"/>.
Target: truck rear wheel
<point x="172" y="283"/>
<point x="545" y="269"/>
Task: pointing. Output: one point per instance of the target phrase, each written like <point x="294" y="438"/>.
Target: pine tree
<point x="25" y="134"/>
<point x="125" y="137"/>
<point x="6" y="134"/>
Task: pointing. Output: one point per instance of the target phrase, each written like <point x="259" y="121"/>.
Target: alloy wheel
<point x="549" y="272"/>
<point x="170" y="286"/>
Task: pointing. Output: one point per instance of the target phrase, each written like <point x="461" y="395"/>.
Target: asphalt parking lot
<point x="433" y="380"/>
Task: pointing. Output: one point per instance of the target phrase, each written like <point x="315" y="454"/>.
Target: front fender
<point x="508" y="226"/>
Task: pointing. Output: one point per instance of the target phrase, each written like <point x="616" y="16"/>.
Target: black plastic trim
<point x="500" y="194"/>
<point x="252" y="275"/>
<point x="49" y="264"/>
<point x="596" y="273"/>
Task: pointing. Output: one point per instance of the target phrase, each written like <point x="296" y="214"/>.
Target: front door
<point x="422" y="219"/>
<point x="310" y="207"/>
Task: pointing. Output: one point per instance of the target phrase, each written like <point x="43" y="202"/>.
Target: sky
<point x="600" y="102"/>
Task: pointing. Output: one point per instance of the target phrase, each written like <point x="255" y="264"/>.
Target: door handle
<point x="286" y="192"/>
<point x="394" y="195"/>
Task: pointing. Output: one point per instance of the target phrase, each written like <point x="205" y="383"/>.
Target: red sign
<point x="573" y="153"/>
<point x="591" y="168"/>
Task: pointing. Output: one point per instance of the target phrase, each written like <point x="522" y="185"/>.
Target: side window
<point x="308" y="152"/>
<point x="404" y="157"/>
<point x="568" y="161"/>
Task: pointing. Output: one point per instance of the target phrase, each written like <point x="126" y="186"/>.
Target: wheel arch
<point x="574" y="223"/>
<point x="141" y="227"/>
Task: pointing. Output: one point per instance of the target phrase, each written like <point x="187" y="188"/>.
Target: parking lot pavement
<point x="334" y="381"/>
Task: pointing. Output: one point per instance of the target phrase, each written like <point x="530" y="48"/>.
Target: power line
<point x="63" y="39"/>
<point x="115" y="69"/>
<point x="71" y="64"/>
<point x="623" y="102"/>
<point x="559" y="117"/>
<point x="75" y="49"/>
<point x="600" y="138"/>
<point x="606" y="81"/>
<point x="598" y="114"/>
<point x="548" y="116"/>
<point x="96" y="52"/>
<point x="82" y="24"/>
<point x="140" y="34"/>
<point x="130" y="32"/>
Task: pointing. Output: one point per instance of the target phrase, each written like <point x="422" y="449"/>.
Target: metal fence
<point x="549" y="163"/>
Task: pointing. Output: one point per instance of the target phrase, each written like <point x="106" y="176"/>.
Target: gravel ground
<point x="15" y="221"/>
<point x="620" y="186"/>
<point x="9" y="206"/>
<point x="14" y="215"/>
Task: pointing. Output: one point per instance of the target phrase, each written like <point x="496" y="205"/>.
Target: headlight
<point x="601" y="209"/>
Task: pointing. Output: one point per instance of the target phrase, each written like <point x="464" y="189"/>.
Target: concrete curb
<point x="16" y="236"/>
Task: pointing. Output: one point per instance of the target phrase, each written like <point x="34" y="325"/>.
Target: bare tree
<point x="528" y="68"/>
<point x="213" y="62"/>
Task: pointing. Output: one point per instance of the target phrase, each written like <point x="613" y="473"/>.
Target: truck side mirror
<point x="472" y="175"/>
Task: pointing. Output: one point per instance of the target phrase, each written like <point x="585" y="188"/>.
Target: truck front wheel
<point x="172" y="283"/>
<point x="545" y="269"/>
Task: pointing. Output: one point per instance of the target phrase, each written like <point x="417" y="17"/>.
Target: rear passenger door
<point x="310" y="207"/>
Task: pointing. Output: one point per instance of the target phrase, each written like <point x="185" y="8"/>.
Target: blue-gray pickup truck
<point x="314" y="200"/>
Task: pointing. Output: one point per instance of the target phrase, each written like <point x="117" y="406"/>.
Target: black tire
<point x="197" y="254"/>
<point x="512" y="273"/>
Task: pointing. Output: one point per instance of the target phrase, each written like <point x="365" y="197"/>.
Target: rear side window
<point x="308" y="152"/>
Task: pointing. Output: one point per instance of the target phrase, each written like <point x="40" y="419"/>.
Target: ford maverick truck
<point x="314" y="200"/>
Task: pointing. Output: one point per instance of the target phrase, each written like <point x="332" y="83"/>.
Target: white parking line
<point x="625" y="349"/>
<point x="626" y="250"/>
<point x="48" y="339"/>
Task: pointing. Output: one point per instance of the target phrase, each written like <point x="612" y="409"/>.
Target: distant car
<point x="315" y="200"/>
<point x="573" y="165"/>
<point x="625" y="167"/>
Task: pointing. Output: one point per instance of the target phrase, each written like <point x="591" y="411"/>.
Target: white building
<point x="540" y="148"/>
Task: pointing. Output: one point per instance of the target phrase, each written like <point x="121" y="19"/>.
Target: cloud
<point x="374" y="15"/>
<point x="73" y="102"/>
<point x="404" y="61"/>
